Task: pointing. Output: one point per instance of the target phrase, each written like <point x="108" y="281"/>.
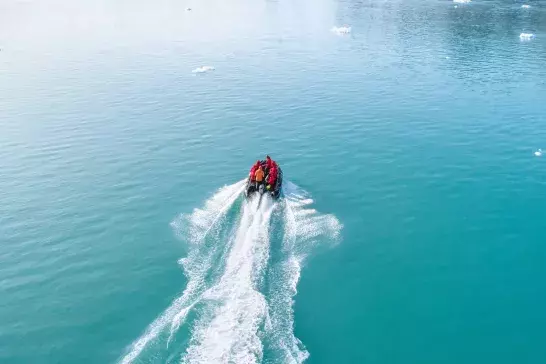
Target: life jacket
<point x="269" y="163"/>
<point x="253" y="171"/>
<point x="259" y="175"/>
<point x="272" y="176"/>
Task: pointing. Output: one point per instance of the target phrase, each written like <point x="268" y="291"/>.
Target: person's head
<point x="257" y="162"/>
<point x="260" y="167"/>
<point x="268" y="157"/>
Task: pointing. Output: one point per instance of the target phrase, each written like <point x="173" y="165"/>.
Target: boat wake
<point x="243" y="265"/>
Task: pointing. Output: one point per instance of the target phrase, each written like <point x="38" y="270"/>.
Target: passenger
<point x="272" y="178"/>
<point x="268" y="163"/>
<point x="253" y="171"/>
<point x="259" y="175"/>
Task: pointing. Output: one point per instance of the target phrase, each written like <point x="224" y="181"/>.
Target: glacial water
<point x="410" y="133"/>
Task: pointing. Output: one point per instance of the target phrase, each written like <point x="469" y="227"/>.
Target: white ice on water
<point x="538" y="153"/>
<point x="203" y="69"/>
<point x="341" y="30"/>
<point x="526" y="36"/>
<point x="462" y="1"/>
<point x="525" y="6"/>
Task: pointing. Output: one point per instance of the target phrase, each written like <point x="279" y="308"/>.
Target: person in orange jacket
<point x="259" y="176"/>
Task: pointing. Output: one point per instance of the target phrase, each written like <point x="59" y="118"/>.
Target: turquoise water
<point x="412" y="228"/>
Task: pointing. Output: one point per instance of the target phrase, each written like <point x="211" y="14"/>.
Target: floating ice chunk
<point x="341" y="30"/>
<point x="538" y="153"/>
<point x="203" y="69"/>
<point x="526" y="36"/>
<point x="455" y="6"/>
<point x="462" y="1"/>
<point x="188" y="9"/>
<point x="525" y="6"/>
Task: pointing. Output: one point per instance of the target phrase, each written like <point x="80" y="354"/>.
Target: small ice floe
<point x="188" y="9"/>
<point x="462" y="1"/>
<point x="455" y="6"/>
<point x="538" y="153"/>
<point x="203" y="69"/>
<point x="341" y="30"/>
<point x="526" y="36"/>
<point x="525" y="6"/>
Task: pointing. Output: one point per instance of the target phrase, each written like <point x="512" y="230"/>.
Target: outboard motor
<point x="261" y="189"/>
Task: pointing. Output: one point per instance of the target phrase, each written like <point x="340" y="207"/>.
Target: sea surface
<point x="413" y="223"/>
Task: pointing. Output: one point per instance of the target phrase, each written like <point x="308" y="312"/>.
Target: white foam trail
<point x="203" y="69"/>
<point x="341" y="30"/>
<point x="303" y="228"/>
<point x="526" y="36"/>
<point x="196" y="265"/>
<point x="229" y="332"/>
<point x="242" y="302"/>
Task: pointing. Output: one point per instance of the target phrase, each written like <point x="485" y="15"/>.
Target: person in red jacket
<point x="253" y="171"/>
<point x="269" y="163"/>
<point x="272" y="177"/>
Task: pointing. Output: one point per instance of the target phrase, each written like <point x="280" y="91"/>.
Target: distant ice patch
<point x="203" y="69"/>
<point x="462" y="1"/>
<point x="341" y="30"/>
<point x="526" y="36"/>
<point x="525" y="6"/>
<point x="538" y="153"/>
